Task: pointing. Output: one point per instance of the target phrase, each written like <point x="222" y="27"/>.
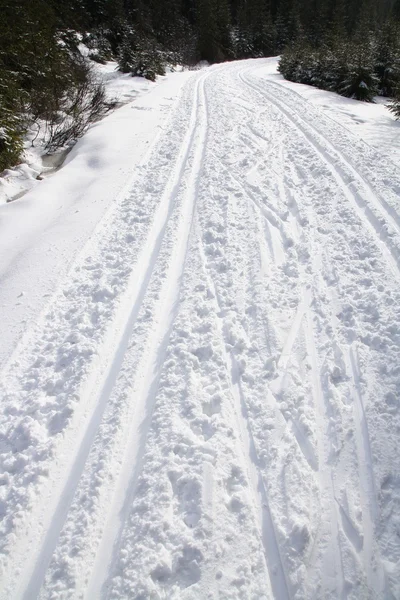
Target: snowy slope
<point x="373" y="122"/>
<point x="36" y="164"/>
<point x="208" y="405"/>
<point x="41" y="232"/>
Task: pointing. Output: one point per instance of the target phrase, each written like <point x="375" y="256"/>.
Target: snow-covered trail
<point x="209" y="406"/>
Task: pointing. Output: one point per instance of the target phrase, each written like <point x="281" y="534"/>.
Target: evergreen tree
<point x="394" y="105"/>
<point x="387" y="65"/>
<point x="288" y="23"/>
<point x="261" y="28"/>
<point x="349" y="46"/>
<point x="211" y="36"/>
<point x="224" y="28"/>
<point x="360" y="81"/>
<point x="140" y="55"/>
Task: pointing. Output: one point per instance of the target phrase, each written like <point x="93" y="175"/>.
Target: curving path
<point x="208" y="406"/>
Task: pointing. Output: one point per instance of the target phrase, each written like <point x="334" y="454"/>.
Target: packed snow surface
<point x="200" y="386"/>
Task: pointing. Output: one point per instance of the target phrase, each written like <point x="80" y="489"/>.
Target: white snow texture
<point x="204" y="401"/>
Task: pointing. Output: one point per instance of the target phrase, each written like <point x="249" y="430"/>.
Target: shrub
<point x="99" y="45"/>
<point x="82" y="105"/>
<point x="394" y="105"/>
<point x="387" y="65"/>
<point x="299" y="63"/>
<point x="10" y="139"/>
<point x="43" y="79"/>
<point x="360" y="83"/>
<point x="346" y="68"/>
<point x="98" y="58"/>
<point x="12" y="122"/>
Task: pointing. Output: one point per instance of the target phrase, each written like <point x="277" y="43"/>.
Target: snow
<point x="42" y="232"/>
<point x="36" y="163"/>
<point x="200" y="341"/>
<point x="372" y="122"/>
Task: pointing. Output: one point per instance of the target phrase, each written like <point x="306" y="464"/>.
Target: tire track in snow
<point x="131" y="306"/>
<point x="340" y="173"/>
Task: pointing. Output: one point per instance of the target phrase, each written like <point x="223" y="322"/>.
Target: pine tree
<point x="360" y="81"/>
<point x="288" y="23"/>
<point x="261" y="28"/>
<point x="140" y="56"/>
<point x="394" y="106"/>
<point x="214" y="44"/>
<point x="387" y="65"/>
<point x="224" y="28"/>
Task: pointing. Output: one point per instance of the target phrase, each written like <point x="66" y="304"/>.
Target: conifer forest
<point x="351" y="47"/>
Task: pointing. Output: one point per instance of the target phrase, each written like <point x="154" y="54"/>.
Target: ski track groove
<point x="304" y="445"/>
<point x="383" y="206"/>
<point x="388" y="207"/>
<point x="272" y="219"/>
<point x="360" y="205"/>
<point x="275" y="220"/>
<point x="103" y="359"/>
<point x="90" y="492"/>
<point x="268" y="537"/>
<point x="364" y="544"/>
<point x="325" y="473"/>
<point x="148" y="392"/>
<point x="276" y="386"/>
<point x="133" y="298"/>
<point x="370" y="510"/>
<point x="368" y="497"/>
<point x="368" y="493"/>
<point x="267" y="532"/>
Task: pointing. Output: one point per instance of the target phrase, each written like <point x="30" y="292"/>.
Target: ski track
<point x="159" y="340"/>
<point x="208" y="406"/>
<point x="376" y="216"/>
<point x="163" y="314"/>
<point x="261" y="507"/>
